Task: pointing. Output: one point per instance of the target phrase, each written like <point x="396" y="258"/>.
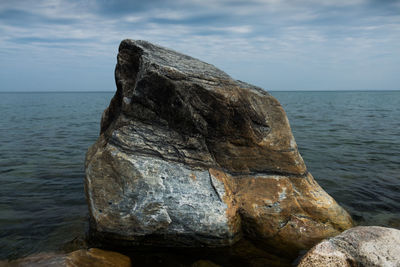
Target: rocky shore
<point x="91" y="257"/>
<point x="359" y="246"/>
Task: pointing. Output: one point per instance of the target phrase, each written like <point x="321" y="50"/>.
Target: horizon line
<point x="338" y="90"/>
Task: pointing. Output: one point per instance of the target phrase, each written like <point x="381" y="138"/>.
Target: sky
<point x="60" y="45"/>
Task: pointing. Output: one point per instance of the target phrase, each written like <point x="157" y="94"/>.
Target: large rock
<point x="187" y="156"/>
<point x="359" y="246"/>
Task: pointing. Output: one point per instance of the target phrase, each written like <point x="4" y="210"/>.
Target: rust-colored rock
<point x="273" y="210"/>
<point x="93" y="257"/>
<point x="187" y="156"/>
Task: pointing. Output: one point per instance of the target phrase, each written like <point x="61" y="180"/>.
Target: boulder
<point x="359" y="246"/>
<point x="86" y="258"/>
<point x="189" y="157"/>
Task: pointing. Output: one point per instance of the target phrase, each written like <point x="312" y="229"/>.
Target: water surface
<point x="349" y="140"/>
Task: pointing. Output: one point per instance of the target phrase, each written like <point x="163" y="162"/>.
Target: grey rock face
<point x="153" y="195"/>
<point x="359" y="246"/>
<point x="187" y="155"/>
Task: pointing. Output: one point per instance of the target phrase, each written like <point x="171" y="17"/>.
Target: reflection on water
<point x="349" y="140"/>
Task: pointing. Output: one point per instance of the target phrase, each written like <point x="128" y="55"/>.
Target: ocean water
<point x="350" y="142"/>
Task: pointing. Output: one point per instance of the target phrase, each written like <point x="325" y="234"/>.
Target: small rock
<point x="83" y="258"/>
<point x="359" y="246"/>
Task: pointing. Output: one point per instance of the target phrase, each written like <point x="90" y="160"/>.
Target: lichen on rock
<point x="188" y="156"/>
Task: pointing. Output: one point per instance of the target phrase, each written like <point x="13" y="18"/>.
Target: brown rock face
<point x="93" y="257"/>
<point x="187" y="156"/>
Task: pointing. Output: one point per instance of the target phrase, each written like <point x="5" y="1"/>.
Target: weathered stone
<point x="359" y="246"/>
<point x="85" y="258"/>
<point x="187" y="156"/>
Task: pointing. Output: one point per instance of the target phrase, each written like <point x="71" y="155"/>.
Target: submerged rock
<point x="93" y="257"/>
<point x="359" y="246"/>
<point x="187" y="156"/>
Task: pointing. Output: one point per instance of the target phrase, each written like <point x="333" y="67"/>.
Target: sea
<point x="350" y="141"/>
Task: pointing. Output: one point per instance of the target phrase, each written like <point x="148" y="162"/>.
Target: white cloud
<point x="133" y="18"/>
<point x="257" y="33"/>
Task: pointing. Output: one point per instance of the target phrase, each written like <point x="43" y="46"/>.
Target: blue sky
<point x="60" y="45"/>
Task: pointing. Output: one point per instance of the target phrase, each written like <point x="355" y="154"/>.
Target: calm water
<point x="350" y="142"/>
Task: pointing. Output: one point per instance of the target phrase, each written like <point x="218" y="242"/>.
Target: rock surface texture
<point x="359" y="246"/>
<point x="187" y="156"/>
<point x="84" y="258"/>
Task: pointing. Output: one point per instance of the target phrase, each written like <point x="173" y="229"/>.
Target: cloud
<point x="235" y="35"/>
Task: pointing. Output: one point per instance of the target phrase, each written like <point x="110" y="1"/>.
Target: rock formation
<point x="359" y="246"/>
<point x="187" y="156"/>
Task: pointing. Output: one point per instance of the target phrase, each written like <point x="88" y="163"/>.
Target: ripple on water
<point x="355" y="152"/>
<point x="349" y="140"/>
